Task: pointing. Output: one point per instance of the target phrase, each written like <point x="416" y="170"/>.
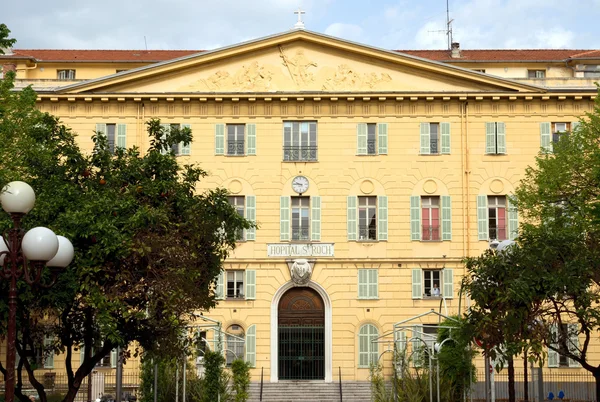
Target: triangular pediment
<point x="294" y="62"/>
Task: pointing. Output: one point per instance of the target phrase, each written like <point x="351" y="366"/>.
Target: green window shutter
<point x="166" y="130"/>
<point x="284" y="218"/>
<point x="113" y="358"/>
<point x="415" y="217"/>
<point x="383" y="138"/>
<point x="400" y="341"/>
<point x="513" y="220"/>
<point x="482" y="218"/>
<point x="251" y="140"/>
<point x="315" y="224"/>
<point x="373" y="291"/>
<point x="448" y="283"/>
<point x="48" y="357"/>
<point x="490" y="138"/>
<point x="446" y="217"/>
<point x="417" y="346"/>
<point x="363" y="286"/>
<point x="574" y="126"/>
<point x="351" y="213"/>
<point x="573" y="344"/>
<point x="546" y="136"/>
<point x="417" y="283"/>
<point x="251" y="216"/>
<point x="219" y="139"/>
<point x="122" y="136"/>
<point x="101" y="129"/>
<point x="501" y="137"/>
<point x="185" y="149"/>
<point x="251" y="345"/>
<point x="445" y="135"/>
<point x="425" y="145"/>
<point x="552" y="354"/>
<point x="368" y="352"/>
<point x="361" y="139"/>
<point x="250" y="284"/>
<point x="220" y="288"/>
<point x="382" y="217"/>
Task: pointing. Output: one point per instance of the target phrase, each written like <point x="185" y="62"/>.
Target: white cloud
<point x="555" y="38"/>
<point x="345" y="31"/>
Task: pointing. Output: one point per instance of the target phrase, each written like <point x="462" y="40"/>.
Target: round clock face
<point x="300" y="184"/>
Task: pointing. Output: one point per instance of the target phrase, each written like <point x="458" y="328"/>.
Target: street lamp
<point x="25" y="254"/>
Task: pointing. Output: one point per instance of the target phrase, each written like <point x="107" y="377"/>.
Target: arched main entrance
<point x="301" y="335"/>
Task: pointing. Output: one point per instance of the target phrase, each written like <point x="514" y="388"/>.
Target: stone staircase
<point x="315" y="391"/>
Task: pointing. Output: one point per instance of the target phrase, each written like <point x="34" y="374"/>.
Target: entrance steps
<point x="315" y="391"/>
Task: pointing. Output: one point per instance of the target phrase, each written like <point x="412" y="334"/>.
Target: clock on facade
<point x="300" y="184"/>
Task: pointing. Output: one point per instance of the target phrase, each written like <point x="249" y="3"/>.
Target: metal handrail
<point x="340" y="377"/>
<point x="262" y="369"/>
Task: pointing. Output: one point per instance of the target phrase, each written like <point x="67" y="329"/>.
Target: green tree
<point x="5" y="41"/>
<point x="148" y="247"/>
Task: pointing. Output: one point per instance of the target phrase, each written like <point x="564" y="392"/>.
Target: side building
<point x="371" y="173"/>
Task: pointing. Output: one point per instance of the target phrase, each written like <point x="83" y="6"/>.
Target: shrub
<point x="241" y="379"/>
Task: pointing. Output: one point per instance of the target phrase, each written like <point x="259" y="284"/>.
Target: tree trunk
<point x="511" y="380"/>
<point x="596" y="374"/>
<point x="525" y="379"/>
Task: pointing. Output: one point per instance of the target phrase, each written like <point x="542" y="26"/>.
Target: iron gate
<point x="301" y="352"/>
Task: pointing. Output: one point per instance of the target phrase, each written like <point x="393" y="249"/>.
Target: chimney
<point x="455" y="50"/>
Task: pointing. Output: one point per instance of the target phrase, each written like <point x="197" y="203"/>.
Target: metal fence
<point x="56" y="383"/>
<point x="577" y="387"/>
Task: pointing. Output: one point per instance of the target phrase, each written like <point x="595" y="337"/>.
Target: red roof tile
<point x="102" y="55"/>
<point x="503" y="54"/>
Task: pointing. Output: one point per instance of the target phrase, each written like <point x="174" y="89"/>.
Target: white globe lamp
<point x="64" y="255"/>
<point x="17" y="197"/>
<point x="40" y="244"/>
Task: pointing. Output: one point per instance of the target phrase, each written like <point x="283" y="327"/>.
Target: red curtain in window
<point x="501" y="224"/>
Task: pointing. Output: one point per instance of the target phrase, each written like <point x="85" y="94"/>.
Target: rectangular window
<point x="239" y="203"/>
<point x="235" y="284"/>
<point x="536" y="73"/>
<point x="300" y="218"/>
<point x="235" y="139"/>
<point x="434" y="138"/>
<point x="367" y="218"/>
<point x="432" y="283"/>
<point x="497" y="217"/>
<point x="368" y="284"/>
<point x="65" y="74"/>
<point x="559" y="129"/>
<point x="430" y="214"/>
<point x="299" y="141"/>
<point x="371" y="139"/>
<point x="495" y="138"/>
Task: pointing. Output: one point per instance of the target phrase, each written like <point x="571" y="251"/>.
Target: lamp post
<point x="25" y="254"/>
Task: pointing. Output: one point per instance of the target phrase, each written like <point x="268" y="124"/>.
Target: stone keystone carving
<point x="300" y="271"/>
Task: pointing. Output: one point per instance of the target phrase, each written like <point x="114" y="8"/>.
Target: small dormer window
<point x="65" y="74"/>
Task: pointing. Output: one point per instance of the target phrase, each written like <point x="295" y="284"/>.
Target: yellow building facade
<point x="371" y="174"/>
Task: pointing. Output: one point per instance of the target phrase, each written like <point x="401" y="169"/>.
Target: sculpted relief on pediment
<point x="295" y="71"/>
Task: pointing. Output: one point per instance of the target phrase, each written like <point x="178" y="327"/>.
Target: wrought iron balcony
<point x="498" y="233"/>
<point x="300" y="234"/>
<point x="299" y="153"/>
<point x="434" y="146"/>
<point x="431" y="232"/>
<point x="367" y="232"/>
<point x="235" y="148"/>
<point x="371" y="147"/>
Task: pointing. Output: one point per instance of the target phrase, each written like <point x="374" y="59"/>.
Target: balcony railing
<point x="433" y="144"/>
<point x="431" y="232"/>
<point x="367" y="233"/>
<point x="371" y="147"/>
<point x="300" y="234"/>
<point x="299" y="153"/>
<point x="235" y="148"/>
<point x="498" y="233"/>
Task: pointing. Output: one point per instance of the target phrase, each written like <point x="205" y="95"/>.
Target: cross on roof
<point x="300" y="23"/>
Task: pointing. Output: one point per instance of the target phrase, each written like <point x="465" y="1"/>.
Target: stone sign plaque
<point x="300" y="250"/>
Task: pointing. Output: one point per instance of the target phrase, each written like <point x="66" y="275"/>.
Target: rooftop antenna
<point x="145" y="43"/>
<point x="448" y="30"/>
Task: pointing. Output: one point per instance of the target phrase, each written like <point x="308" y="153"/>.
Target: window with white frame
<point x="435" y="138"/>
<point x="495" y="138"/>
<point x="371" y="138"/>
<point x="116" y="135"/>
<point x="559" y="129"/>
<point x="245" y="206"/>
<point x="239" y="203"/>
<point x="234" y="343"/>
<point x="430" y="217"/>
<point x="235" y="139"/>
<point x="300" y="218"/>
<point x="536" y="74"/>
<point x="236" y="285"/>
<point x="424" y="337"/>
<point x="65" y="74"/>
<point x="180" y="148"/>
<point x="367" y="218"/>
<point x="368" y="347"/>
<point x="497" y="218"/>
<point x="368" y="284"/>
<point x="426" y="281"/>
<point x="300" y="141"/>
<point x="550" y="133"/>
<point x="569" y="336"/>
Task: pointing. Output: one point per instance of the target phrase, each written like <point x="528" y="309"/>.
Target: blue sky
<point x="208" y="24"/>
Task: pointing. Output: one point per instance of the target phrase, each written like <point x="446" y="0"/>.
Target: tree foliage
<point x="5" y="41"/>
<point x="148" y="246"/>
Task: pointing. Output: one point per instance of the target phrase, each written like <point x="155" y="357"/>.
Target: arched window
<point x="368" y="348"/>
<point x="235" y="340"/>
